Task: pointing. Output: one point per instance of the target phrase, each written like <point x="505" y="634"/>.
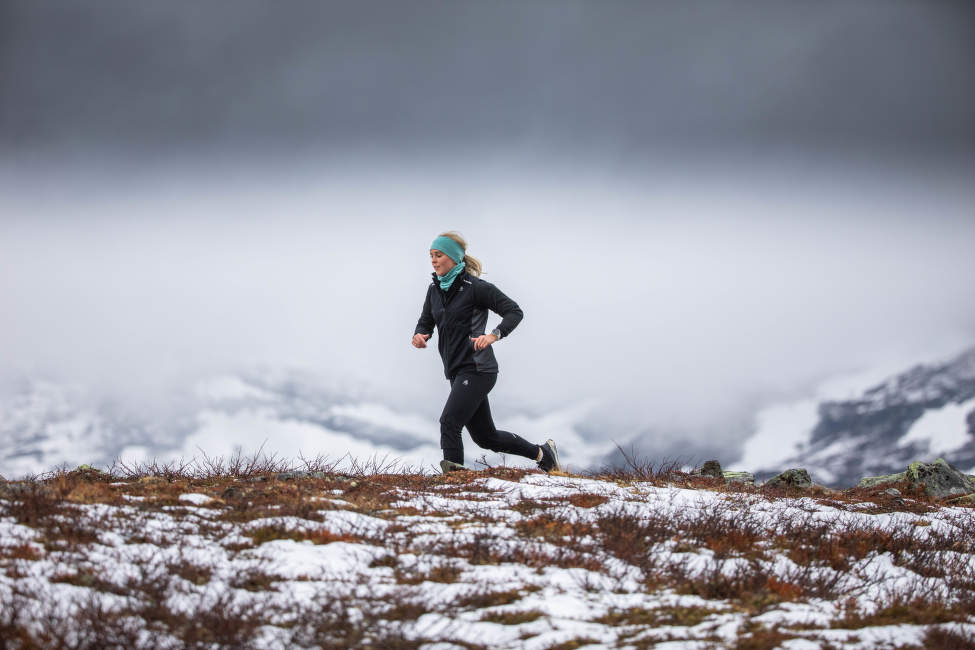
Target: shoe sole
<point x="557" y="467"/>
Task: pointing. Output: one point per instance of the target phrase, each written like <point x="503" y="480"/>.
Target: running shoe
<point x="550" y="457"/>
<point x="451" y="466"/>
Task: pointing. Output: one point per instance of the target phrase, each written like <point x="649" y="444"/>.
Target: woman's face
<point x="441" y="263"/>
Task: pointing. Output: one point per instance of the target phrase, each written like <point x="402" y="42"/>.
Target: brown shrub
<point x="572" y="644"/>
<point x="945" y="638"/>
<point x="513" y="618"/>
<point x="90" y="578"/>
<point x="631" y="538"/>
<point x="25" y="551"/>
<point x="446" y="573"/>
<point x="659" y="616"/>
<point x="747" y="583"/>
<point x="480" y="599"/>
<point x="724" y="527"/>
<point x="552" y="529"/>
<point x="528" y="507"/>
<point x="637" y="469"/>
<point x="314" y="535"/>
<point x="759" y="637"/>
<point x="484" y="548"/>
<point x="31" y="502"/>
<point x="900" y="608"/>
<point x="586" y="500"/>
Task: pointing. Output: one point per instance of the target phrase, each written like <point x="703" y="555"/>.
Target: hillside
<point x="250" y="554"/>
<point x="924" y="412"/>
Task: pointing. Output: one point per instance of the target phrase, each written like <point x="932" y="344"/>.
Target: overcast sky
<point x="674" y="305"/>
<point x="621" y="77"/>
<point x="701" y="207"/>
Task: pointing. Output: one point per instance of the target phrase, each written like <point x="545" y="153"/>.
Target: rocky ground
<point x="249" y="556"/>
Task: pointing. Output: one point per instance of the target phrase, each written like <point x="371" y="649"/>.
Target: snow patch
<point x="195" y="498"/>
<point x="782" y="431"/>
<point x="943" y="430"/>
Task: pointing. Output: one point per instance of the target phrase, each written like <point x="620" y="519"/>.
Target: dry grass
<point x="513" y="617"/>
<point x="948" y="639"/>
<point x="900" y="608"/>
<point x="760" y="637"/>
<point x="675" y="616"/>
<point x="643" y="470"/>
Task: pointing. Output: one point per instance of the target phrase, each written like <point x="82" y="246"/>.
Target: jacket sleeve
<point x="492" y="298"/>
<point x="425" y="324"/>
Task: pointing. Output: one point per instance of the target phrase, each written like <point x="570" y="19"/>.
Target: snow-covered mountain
<point x="921" y="414"/>
<point x="839" y="434"/>
<point x="45" y="423"/>
<point x="286" y="414"/>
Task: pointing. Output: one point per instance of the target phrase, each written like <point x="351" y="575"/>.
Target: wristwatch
<point x="497" y="332"/>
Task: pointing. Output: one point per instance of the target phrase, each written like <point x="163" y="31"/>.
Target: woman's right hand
<point x="420" y="340"/>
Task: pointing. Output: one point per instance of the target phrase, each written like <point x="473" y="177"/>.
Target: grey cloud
<point x="676" y="308"/>
<point x="619" y="76"/>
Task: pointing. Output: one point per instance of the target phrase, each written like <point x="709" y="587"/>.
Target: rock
<point x="892" y="492"/>
<point x="711" y="468"/>
<point x="874" y="481"/>
<point x="939" y="479"/>
<point x="739" y="477"/>
<point x="290" y="476"/>
<point x="88" y="472"/>
<point x="152" y="480"/>
<point x="796" y="478"/>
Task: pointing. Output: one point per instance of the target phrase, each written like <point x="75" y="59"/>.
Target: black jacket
<point x="461" y="313"/>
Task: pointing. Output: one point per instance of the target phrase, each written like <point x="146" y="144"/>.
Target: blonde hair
<point x="472" y="264"/>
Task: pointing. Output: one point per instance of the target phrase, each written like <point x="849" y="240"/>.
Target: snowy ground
<point x="501" y="559"/>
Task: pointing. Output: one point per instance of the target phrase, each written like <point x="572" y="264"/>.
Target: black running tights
<point x="468" y="406"/>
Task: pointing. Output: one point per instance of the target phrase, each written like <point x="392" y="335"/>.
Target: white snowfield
<point x="943" y="430"/>
<point x="490" y="563"/>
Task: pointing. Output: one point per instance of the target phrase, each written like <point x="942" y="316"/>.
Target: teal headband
<point x="449" y="247"/>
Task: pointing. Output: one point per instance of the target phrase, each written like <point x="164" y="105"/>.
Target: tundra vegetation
<point x="255" y="552"/>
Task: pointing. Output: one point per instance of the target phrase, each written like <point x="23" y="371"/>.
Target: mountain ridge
<point x="882" y="430"/>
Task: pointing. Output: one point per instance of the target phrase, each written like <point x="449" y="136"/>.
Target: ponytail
<point x="472" y="265"/>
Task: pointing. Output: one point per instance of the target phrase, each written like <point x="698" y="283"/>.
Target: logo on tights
<point x="465" y="382"/>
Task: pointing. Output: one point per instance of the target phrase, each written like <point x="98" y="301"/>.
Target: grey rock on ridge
<point x="939" y="479"/>
<point x="711" y="468"/>
<point x="797" y="478"/>
<point x="862" y="437"/>
<point x="739" y="477"/>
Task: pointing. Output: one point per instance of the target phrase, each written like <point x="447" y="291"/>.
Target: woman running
<point x="457" y="302"/>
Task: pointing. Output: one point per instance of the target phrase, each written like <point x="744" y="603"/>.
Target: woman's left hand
<point x="483" y="341"/>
